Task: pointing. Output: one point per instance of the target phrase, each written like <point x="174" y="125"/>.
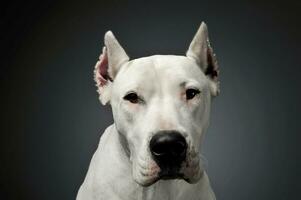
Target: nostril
<point x="159" y="149"/>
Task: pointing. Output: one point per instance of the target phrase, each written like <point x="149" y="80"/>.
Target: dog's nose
<point x="168" y="148"/>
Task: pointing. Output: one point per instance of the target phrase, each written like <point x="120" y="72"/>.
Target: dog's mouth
<point x="149" y="172"/>
<point x="188" y="175"/>
<point x="170" y="173"/>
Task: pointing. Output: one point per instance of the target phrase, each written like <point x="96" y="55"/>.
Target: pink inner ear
<point x="101" y="69"/>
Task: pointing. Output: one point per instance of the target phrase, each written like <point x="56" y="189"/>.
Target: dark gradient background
<point x="51" y="119"/>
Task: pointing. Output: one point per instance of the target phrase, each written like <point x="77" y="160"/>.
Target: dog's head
<point x="161" y="106"/>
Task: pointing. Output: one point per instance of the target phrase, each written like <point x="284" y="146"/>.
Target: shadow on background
<point x="52" y="120"/>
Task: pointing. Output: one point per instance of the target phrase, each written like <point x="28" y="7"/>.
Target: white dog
<point x="161" y="107"/>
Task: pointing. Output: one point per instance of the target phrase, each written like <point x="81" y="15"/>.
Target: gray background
<point x="51" y="118"/>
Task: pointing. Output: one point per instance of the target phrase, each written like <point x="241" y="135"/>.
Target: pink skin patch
<point x="101" y="68"/>
<point x="154" y="169"/>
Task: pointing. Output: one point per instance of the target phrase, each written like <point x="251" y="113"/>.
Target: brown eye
<point x="131" y="97"/>
<point x="191" y="93"/>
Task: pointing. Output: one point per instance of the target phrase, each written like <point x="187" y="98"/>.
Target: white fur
<point x="122" y="166"/>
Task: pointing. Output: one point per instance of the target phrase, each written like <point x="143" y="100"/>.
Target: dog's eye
<point x="131" y="97"/>
<point x="191" y="93"/>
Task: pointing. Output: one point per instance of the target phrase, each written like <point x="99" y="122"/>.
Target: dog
<point x="161" y="108"/>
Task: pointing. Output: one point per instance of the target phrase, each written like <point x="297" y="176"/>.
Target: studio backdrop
<point x="51" y="118"/>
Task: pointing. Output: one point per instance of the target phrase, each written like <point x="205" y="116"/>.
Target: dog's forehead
<point x="162" y="62"/>
<point x="161" y="67"/>
<point x="157" y="74"/>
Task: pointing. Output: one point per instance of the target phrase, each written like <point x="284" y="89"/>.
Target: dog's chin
<point x="151" y="181"/>
<point x="172" y="176"/>
<point x="146" y="181"/>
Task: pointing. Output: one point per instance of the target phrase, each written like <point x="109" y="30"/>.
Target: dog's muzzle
<point x="168" y="149"/>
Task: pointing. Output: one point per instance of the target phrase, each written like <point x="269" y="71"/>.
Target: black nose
<point x="168" y="148"/>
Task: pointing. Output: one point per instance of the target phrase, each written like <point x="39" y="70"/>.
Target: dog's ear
<point x="201" y="51"/>
<point x="108" y="65"/>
